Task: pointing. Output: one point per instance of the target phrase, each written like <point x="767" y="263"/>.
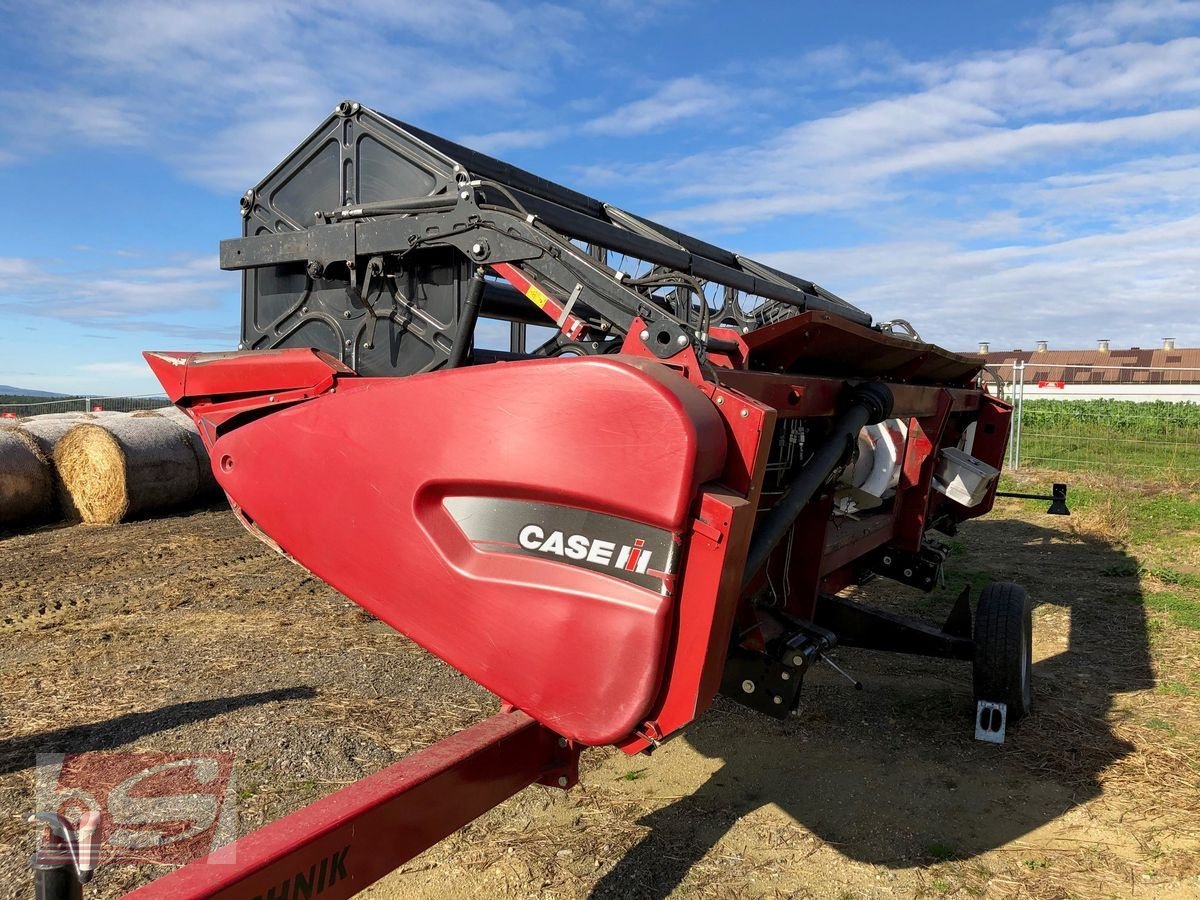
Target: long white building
<point x="1166" y="373"/>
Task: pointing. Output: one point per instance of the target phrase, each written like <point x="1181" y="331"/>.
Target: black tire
<point x="1003" y="670"/>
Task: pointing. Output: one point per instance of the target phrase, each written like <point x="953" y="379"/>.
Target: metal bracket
<point x="990" y="721"/>
<point x="920" y="570"/>
<point x="1057" y="498"/>
<point x="764" y="684"/>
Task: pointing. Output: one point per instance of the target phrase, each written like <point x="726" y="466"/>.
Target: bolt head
<point x="887" y="560"/>
<point x="682" y="340"/>
<point x="785" y="676"/>
<point x="798" y="660"/>
<point x="345" y="314"/>
<point x="777" y="700"/>
<point x="562" y="780"/>
<point x="645" y="335"/>
<point x="271" y="399"/>
<point x="562" y="742"/>
<point x="463" y="195"/>
<point x="477" y="249"/>
<point x="720" y="401"/>
<point x="748" y="686"/>
<point x="908" y="573"/>
<point x="745" y="413"/>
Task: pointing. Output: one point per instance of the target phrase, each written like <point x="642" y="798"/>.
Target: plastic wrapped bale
<point x="208" y="481"/>
<point x="72" y="416"/>
<point x="126" y="467"/>
<point x="26" y="485"/>
<point x="47" y="431"/>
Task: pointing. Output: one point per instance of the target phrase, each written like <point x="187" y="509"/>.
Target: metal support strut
<point x="470" y="315"/>
<point x="339" y="845"/>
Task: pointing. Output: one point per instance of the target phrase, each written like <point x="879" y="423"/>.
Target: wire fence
<point x="1140" y="421"/>
<point x="126" y="403"/>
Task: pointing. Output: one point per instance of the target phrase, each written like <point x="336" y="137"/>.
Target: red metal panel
<point x="354" y="484"/>
<point x="802" y="395"/>
<point x="913" y="497"/>
<point x="339" y="845"/>
<point x="826" y="344"/>
<point x="848" y="539"/>
<point x="989" y="446"/>
<point x="194" y="375"/>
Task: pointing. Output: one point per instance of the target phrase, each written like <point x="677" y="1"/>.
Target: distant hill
<point x="27" y="392"/>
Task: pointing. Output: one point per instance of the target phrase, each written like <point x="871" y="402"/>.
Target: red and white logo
<point x="635" y="558"/>
<point x="631" y="558"/>
<point x="101" y="808"/>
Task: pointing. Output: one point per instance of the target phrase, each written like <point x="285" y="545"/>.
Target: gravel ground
<point x="183" y="633"/>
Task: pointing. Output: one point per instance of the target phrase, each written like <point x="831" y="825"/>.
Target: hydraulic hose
<point x="466" y="322"/>
<point x="870" y="404"/>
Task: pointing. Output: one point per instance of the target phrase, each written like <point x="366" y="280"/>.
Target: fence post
<point x="1012" y="420"/>
<point x="1019" y="370"/>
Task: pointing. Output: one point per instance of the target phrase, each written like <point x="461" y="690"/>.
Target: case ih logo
<point x="100" y="808"/>
<point x="631" y="557"/>
<point x="621" y="548"/>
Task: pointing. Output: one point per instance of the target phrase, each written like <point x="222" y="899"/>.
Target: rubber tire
<point x="1003" y="666"/>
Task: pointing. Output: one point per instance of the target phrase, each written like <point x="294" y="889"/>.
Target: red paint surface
<point x="351" y="485"/>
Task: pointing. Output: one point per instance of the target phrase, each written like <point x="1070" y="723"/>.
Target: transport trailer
<point x="602" y="467"/>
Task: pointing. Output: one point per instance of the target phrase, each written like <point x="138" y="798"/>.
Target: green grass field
<point x="1155" y="441"/>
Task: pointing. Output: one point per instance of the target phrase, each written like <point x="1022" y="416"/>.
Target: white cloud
<point x="1078" y="24"/>
<point x="223" y="90"/>
<point x="1134" y="283"/>
<point x="514" y="139"/>
<point x="118" y="298"/>
<point x="674" y="102"/>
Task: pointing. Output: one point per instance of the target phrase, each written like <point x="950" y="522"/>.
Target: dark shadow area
<point x="892" y="776"/>
<point x="18" y="754"/>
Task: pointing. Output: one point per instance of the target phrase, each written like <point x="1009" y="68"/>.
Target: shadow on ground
<point x="18" y="754"/>
<point x="892" y="776"/>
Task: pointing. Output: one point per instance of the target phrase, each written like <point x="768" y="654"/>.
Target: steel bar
<point x="339" y="845"/>
<point x="858" y="625"/>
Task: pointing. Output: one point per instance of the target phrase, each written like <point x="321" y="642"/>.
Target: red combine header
<point x="602" y="467"/>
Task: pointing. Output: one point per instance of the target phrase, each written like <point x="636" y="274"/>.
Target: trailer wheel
<point x="1003" y="670"/>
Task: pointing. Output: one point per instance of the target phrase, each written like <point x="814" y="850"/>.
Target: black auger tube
<point x="871" y="403"/>
<point x="466" y="326"/>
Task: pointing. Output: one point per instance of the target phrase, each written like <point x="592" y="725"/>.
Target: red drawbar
<point x="376" y="486"/>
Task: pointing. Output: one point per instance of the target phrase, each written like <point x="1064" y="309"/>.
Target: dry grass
<point x="127" y="467"/>
<point x="25" y="481"/>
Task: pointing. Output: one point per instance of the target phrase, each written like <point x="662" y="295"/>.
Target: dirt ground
<point x="184" y="633"/>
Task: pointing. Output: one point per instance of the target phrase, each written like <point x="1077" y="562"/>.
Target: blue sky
<point x="1003" y="171"/>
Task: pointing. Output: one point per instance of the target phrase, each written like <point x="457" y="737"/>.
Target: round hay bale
<point x="74" y="416"/>
<point x="127" y="467"/>
<point x="208" y="481"/>
<point x="26" y="485"/>
<point x="46" y="431"/>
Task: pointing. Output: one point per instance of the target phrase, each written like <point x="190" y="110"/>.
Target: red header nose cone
<point x="170" y="368"/>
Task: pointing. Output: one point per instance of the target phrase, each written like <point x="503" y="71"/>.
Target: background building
<point x="1165" y="373"/>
